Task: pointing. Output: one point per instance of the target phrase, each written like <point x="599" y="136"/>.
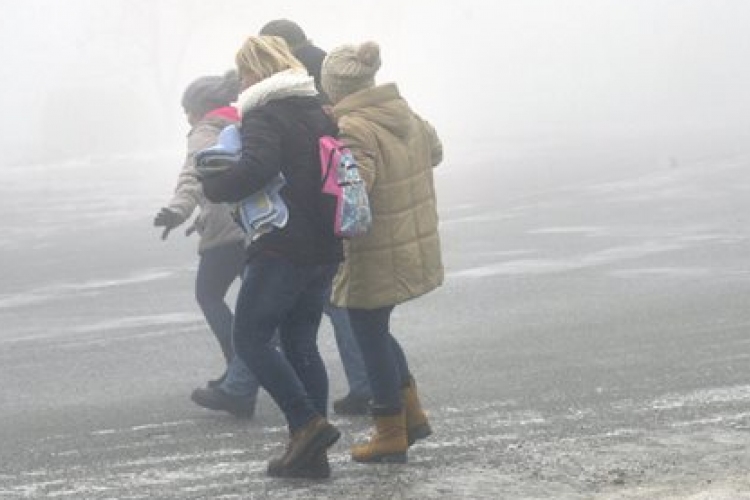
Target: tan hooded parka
<point x="399" y="259"/>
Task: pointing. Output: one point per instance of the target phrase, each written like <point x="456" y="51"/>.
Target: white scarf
<point x="288" y="83"/>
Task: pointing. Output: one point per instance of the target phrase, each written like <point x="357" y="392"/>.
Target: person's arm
<point x="436" y="146"/>
<point x="259" y="163"/>
<point x="188" y="192"/>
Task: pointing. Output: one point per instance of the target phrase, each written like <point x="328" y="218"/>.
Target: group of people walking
<point x="289" y="94"/>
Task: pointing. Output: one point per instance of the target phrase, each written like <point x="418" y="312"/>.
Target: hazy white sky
<point x="477" y="69"/>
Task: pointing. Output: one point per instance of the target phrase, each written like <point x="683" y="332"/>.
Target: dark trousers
<point x="351" y="358"/>
<point x="278" y="294"/>
<point x="218" y="267"/>
<point x="384" y="359"/>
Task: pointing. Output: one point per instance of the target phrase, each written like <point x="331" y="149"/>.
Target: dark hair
<point x="286" y="29"/>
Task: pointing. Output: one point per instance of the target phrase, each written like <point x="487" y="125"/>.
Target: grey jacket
<point x="214" y="223"/>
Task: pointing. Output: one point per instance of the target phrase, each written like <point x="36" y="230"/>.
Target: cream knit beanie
<point x="350" y="68"/>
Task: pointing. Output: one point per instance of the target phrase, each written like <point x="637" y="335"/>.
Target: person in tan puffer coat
<point x="399" y="259"/>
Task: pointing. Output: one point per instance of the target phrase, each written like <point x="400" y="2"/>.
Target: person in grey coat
<point x="207" y="104"/>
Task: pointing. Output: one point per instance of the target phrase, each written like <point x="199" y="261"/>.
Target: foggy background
<point x="591" y="334"/>
<point x="91" y="77"/>
<point x="527" y="95"/>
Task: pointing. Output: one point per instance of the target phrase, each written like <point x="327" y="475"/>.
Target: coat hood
<point x="382" y="105"/>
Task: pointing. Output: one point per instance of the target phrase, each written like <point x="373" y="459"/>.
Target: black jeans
<point x="384" y="359"/>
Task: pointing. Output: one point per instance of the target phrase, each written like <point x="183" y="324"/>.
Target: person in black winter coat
<point x="357" y="400"/>
<point x="289" y="269"/>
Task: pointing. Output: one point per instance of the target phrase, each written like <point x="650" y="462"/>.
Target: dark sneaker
<point x="217" y="399"/>
<point x="305" y="445"/>
<point x="316" y="468"/>
<point x="215" y="383"/>
<point x="352" y="404"/>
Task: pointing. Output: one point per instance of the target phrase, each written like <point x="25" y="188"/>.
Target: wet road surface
<point x="590" y="342"/>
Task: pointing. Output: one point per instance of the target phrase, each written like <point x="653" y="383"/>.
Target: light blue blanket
<point x="260" y="212"/>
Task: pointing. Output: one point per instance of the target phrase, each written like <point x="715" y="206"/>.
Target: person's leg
<point x="239" y="380"/>
<point x="385" y="365"/>
<point x="417" y="424"/>
<point x="351" y="357"/>
<point x="276" y="293"/>
<point x="217" y="269"/>
<point x="402" y="366"/>
<point x="236" y="394"/>
<point x="299" y="338"/>
<point x="270" y="289"/>
<point x="236" y="390"/>
<point x="382" y="356"/>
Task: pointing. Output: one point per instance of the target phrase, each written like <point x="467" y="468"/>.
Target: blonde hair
<point x="263" y="56"/>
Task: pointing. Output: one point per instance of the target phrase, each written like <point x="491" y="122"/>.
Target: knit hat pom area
<point x="369" y="55"/>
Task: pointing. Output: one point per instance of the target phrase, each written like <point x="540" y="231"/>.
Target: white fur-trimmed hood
<point x="289" y="83"/>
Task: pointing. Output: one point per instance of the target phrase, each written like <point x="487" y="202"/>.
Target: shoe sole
<point x="391" y="458"/>
<point x="300" y="473"/>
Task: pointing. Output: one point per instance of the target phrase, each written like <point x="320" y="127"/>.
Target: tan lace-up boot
<point x="388" y="444"/>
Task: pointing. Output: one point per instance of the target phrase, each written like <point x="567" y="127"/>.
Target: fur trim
<point x="292" y="82"/>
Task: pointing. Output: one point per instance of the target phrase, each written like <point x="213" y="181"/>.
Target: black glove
<point x="169" y="219"/>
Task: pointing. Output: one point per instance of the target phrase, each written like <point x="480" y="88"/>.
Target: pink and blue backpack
<point x="340" y="179"/>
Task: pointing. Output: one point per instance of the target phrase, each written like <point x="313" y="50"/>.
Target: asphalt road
<point x="591" y="342"/>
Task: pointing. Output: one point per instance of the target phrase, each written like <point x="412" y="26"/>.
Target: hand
<point x="169" y="219"/>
